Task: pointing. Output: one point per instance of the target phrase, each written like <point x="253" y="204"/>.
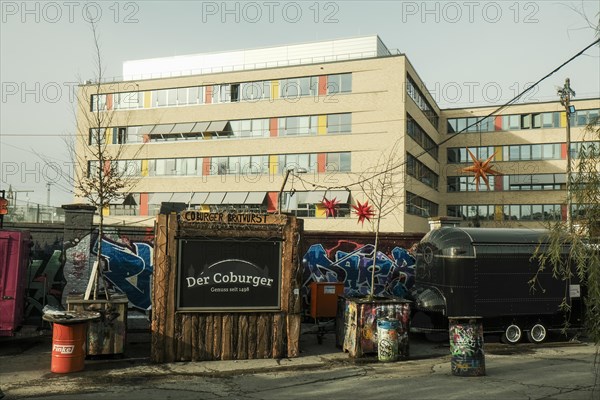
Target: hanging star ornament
<point x="330" y="207"/>
<point x="481" y="169"/>
<point x="363" y="211"/>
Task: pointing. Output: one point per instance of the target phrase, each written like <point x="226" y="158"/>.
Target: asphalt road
<point x="549" y="371"/>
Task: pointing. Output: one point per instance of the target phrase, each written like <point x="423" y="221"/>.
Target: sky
<point x="468" y="53"/>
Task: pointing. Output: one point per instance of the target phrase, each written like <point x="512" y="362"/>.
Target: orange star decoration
<point x="364" y="211"/>
<point x="481" y="169"/>
<point x="330" y="207"/>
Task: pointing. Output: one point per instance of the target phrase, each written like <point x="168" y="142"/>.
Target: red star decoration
<point x="330" y="207"/>
<point x="481" y="169"/>
<point x="364" y="211"/>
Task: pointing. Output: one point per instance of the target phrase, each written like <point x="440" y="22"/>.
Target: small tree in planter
<point x="101" y="174"/>
<point x="382" y="187"/>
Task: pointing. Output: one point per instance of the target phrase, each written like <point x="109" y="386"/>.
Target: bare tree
<point x="382" y="186"/>
<point x="102" y="174"/>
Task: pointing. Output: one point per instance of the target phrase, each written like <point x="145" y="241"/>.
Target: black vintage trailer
<point x="487" y="273"/>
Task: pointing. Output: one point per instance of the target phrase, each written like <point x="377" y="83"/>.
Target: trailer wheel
<point x="537" y="334"/>
<point x="512" y="334"/>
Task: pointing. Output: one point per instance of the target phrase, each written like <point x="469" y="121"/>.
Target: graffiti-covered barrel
<point x="466" y="346"/>
<point x="387" y="339"/>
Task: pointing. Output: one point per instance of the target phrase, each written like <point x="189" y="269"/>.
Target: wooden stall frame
<point x="198" y="336"/>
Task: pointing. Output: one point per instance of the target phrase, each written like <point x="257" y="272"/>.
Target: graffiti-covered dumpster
<point x="14" y="260"/>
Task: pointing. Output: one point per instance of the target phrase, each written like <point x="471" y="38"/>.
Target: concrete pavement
<point x="523" y="371"/>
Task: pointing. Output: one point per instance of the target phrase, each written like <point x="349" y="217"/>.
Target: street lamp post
<point x="565" y="95"/>
<point x="285" y="179"/>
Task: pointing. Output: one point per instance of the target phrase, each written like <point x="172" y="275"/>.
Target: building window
<point x="339" y="83"/>
<point x="306" y="162"/>
<point x="420" y="172"/>
<point x="97" y="135"/>
<point x="299" y="87"/>
<point x="416" y="205"/>
<point x="339" y="123"/>
<point x="98" y="102"/>
<point x="338" y="162"/>
<point x="254" y="91"/>
<point x="298" y="126"/>
<point x="418" y="134"/>
<point x="421" y="102"/>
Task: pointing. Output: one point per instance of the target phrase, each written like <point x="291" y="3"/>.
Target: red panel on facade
<point x="563" y="211"/>
<point x="498" y="183"/>
<point x="498" y="123"/>
<point x="272" y="201"/>
<point x="206" y="166"/>
<point x="109" y="101"/>
<point x="563" y="151"/>
<point x="14" y="259"/>
<point x="321" y="162"/>
<point x="273" y="128"/>
<point x="208" y="94"/>
<point x="143" y="203"/>
<point x="322" y="85"/>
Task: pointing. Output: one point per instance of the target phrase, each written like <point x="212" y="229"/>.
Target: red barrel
<point x="68" y="347"/>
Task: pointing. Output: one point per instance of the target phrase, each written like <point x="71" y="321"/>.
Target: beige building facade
<point x="315" y="122"/>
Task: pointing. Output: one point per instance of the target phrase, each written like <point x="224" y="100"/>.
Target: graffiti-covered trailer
<point x="488" y="273"/>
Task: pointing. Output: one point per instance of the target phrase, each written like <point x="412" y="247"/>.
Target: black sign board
<point x="229" y="275"/>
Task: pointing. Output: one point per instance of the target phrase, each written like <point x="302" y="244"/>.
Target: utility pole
<point x="48" y="184"/>
<point x="565" y="95"/>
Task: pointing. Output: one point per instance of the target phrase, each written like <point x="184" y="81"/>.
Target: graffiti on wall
<point x="128" y="268"/>
<point x="44" y="279"/>
<point x="60" y="270"/>
<point x="352" y="263"/>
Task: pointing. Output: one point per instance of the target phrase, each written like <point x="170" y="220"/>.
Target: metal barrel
<point x="387" y="339"/>
<point x="466" y="346"/>
<point x="68" y="347"/>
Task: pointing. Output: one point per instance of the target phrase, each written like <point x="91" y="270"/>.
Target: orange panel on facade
<point x="321" y="162"/>
<point x="273" y="128"/>
<point x="498" y="183"/>
<point x="109" y="101"/>
<point x="563" y="151"/>
<point x="208" y="94"/>
<point x="498" y="123"/>
<point x="322" y="85"/>
<point x="272" y="201"/>
<point x="143" y="203"/>
<point x="206" y="166"/>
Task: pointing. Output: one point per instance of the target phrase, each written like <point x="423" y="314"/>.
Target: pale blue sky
<point x="46" y="47"/>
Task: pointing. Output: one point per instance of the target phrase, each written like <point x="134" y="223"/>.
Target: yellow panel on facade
<point x="106" y="211"/>
<point x="273" y="161"/>
<point x="498" y="213"/>
<point x="563" y="119"/>
<point x="274" y="90"/>
<point x="147" y="99"/>
<point x="498" y="151"/>
<point x="320" y="211"/>
<point x="109" y="135"/>
<point x="204" y="208"/>
<point x="322" y="125"/>
<point x="144" y="168"/>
